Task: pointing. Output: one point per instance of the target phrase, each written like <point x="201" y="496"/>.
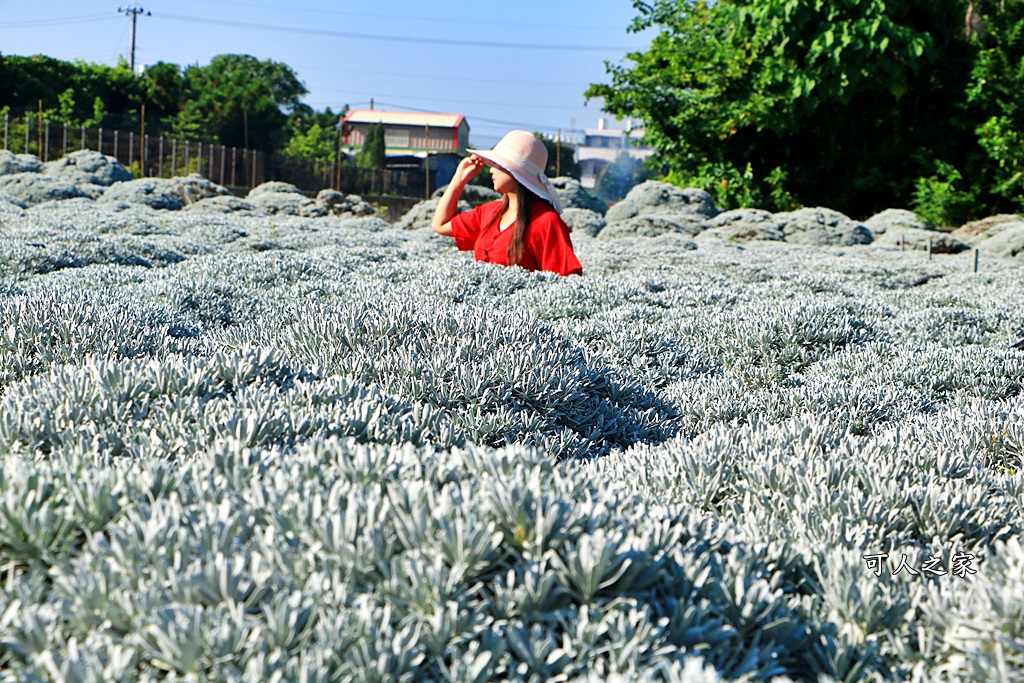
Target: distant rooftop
<point x="635" y="133"/>
<point x="404" y="118"/>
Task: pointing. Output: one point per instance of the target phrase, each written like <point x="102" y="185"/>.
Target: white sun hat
<point x="524" y="156"/>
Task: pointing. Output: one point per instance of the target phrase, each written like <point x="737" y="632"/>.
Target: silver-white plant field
<point x="273" y="449"/>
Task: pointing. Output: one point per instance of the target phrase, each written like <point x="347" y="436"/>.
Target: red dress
<point x="548" y="246"/>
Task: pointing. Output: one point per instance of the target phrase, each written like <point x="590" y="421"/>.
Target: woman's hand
<point x="467" y="169"/>
<point x="449" y="202"/>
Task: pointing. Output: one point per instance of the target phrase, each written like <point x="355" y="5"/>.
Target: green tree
<point x="847" y="102"/>
<point x="164" y="85"/>
<point x="940" y="198"/>
<point x="99" y="114"/>
<point x="561" y="158"/>
<point x="374" y="151"/>
<point x="314" y="134"/>
<point x="66" y="107"/>
<point x="303" y="117"/>
<point x="241" y="101"/>
<point x="995" y="101"/>
<point x="121" y="92"/>
<point x="315" y="143"/>
<point x="235" y="100"/>
<point x="27" y="80"/>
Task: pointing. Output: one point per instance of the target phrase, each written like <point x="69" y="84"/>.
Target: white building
<point x="601" y="145"/>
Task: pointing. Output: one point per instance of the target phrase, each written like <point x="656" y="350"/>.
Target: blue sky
<point x="503" y="63"/>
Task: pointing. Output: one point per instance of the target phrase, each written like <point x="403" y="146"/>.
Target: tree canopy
<point x="25" y="81"/>
<point x="236" y="100"/>
<point x="314" y="135"/>
<point x="243" y="101"/>
<point x="849" y="104"/>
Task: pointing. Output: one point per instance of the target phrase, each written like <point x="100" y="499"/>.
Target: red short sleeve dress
<point x="548" y="246"/>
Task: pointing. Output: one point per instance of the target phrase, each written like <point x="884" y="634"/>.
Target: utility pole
<point x="133" y="12"/>
<point x="558" y="155"/>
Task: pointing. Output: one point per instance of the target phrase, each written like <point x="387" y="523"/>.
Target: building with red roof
<point x="408" y="133"/>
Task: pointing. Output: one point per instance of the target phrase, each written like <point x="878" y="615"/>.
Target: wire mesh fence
<point x="157" y="156"/>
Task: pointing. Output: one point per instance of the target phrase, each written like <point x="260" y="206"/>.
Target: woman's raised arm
<point x="449" y="203"/>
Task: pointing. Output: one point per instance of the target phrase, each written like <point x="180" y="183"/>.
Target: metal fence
<point x="149" y="156"/>
<point x="311" y="175"/>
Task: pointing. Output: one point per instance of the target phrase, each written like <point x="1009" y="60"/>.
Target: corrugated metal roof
<point x="404" y="118"/>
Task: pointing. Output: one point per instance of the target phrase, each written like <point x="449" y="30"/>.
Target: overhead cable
<point x="395" y="39"/>
<point x="83" y="19"/>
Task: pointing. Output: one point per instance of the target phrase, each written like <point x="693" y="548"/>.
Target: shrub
<point x="733" y="189"/>
<point x="346" y="451"/>
<point x="939" y="200"/>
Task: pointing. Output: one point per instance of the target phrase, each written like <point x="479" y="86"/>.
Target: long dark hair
<point x="524" y="208"/>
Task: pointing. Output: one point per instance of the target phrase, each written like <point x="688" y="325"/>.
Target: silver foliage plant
<point x="263" y="448"/>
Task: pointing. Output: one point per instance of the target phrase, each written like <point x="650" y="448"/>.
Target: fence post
<point x="186" y="156"/>
<point x="337" y="155"/>
<point x="223" y="153"/>
<point x="115" y="144"/>
<point x="234" y="159"/>
<point x="426" y="164"/>
<point x="28" y="132"/>
<point x="199" y="159"/>
<point x="65" y="139"/>
<point x="929" y="248"/>
<point x="174" y="157"/>
<point x="100" y="142"/>
<point x="160" y="163"/>
<point x="83" y="136"/>
<point x="209" y="169"/>
<point x="142" y="141"/>
<point x="131" y="149"/>
<point x="46" y="148"/>
<point x="975" y="259"/>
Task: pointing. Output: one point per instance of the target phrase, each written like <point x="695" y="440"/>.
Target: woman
<point x="522" y="228"/>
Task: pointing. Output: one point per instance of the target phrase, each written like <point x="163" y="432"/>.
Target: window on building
<point x="396" y="137"/>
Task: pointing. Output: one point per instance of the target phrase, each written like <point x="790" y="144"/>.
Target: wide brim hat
<point x="521" y="154"/>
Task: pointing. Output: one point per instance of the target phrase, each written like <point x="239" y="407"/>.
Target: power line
<point x="395" y="39"/>
<point x="517" y="124"/>
<point x="448" y="100"/>
<point x="133" y="11"/>
<point x="83" y="19"/>
<point x="117" y="46"/>
<point x="417" y="77"/>
<point x="435" y="77"/>
<point x="446" y="20"/>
